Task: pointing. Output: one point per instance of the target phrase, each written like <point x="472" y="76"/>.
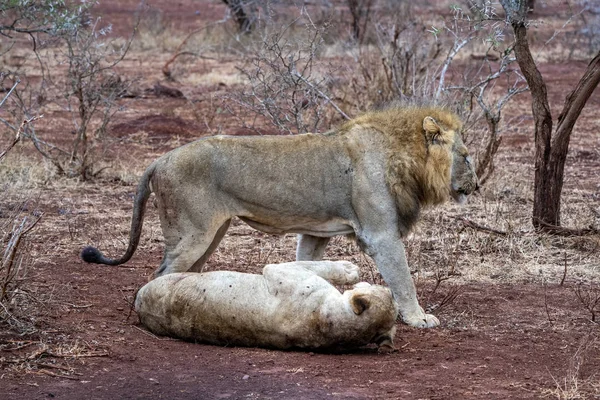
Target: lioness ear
<point x="432" y="130"/>
<point x="359" y="303"/>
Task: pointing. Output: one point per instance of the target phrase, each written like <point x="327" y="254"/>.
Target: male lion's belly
<point x="329" y="228"/>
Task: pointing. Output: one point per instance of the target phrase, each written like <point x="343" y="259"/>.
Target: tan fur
<point x="289" y="305"/>
<point x="370" y="177"/>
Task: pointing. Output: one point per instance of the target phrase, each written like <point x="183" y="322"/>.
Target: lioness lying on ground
<point x="291" y="305"/>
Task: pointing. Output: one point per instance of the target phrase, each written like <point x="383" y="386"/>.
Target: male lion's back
<point x="290" y="173"/>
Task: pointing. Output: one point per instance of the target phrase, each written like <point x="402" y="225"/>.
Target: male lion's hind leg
<point x="192" y="249"/>
<point x="311" y="248"/>
<point x="199" y="264"/>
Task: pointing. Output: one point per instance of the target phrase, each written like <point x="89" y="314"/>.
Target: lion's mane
<point x="418" y="167"/>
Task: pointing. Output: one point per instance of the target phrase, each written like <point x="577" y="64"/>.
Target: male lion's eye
<point x="468" y="160"/>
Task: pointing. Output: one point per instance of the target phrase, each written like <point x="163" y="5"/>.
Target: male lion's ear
<point x="359" y="303"/>
<point x="432" y="130"/>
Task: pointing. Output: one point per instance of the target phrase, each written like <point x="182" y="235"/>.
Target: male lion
<point x="370" y="177"/>
<point x="291" y="305"/>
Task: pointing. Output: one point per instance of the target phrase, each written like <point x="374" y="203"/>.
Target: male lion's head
<point x="446" y="150"/>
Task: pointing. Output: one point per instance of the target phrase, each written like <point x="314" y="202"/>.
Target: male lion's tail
<point x="93" y="255"/>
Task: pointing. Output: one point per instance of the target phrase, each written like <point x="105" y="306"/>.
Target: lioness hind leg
<point x="192" y="249"/>
<point x="311" y="248"/>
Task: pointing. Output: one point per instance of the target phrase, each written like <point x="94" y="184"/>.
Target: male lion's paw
<point x="423" y="321"/>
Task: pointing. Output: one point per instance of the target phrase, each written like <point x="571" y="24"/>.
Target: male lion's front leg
<point x="387" y="251"/>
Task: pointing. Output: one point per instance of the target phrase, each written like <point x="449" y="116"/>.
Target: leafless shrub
<point x="182" y="51"/>
<point x="412" y="62"/>
<point x="90" y="94"/>
<point x="88" y="90"/>
<point x="491" y="82"/>
<point x="589" y="297"/>
<point x="288" y="84"/>
<point x="396" y="68"/>
<point x="491" y="101"/>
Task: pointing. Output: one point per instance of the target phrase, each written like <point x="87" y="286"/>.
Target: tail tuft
<point x="92" y="255"/>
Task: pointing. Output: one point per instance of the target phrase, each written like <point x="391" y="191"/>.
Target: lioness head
<point x="447" y="148"/>
<point x="373" y="300"/>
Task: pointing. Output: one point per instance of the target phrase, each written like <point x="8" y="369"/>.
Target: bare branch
<point x="323" y="95"/>
<point x="18" y="135"/>
<point x="9" y="92"/>
<point x="476" y="226"/>
<point x="178" y="53"/>
<point x="459" y="44"/>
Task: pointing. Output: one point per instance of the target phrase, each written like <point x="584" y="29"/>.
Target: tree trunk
<point x="574" y="103"/>
<point x="543" y="206"/>
<point x="242" y="19"/>
<point x="550" y="153"/>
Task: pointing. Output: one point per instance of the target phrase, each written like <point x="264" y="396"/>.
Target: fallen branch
<point x="563" y="231"/>
<point x="448" y="299"/>
<point x="476" y="226"/>
<point x="22" y="345"/>
<point x="50" y="373"/>
<point x="54" y="366"/>
<point x="80" y="306"/>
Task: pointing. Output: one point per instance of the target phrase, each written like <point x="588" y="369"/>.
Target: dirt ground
<point x="516" y="330"/>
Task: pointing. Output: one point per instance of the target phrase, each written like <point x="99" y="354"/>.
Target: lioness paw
<point x="386" y="348"/>
<point x="423" y="321"/>
<point x="351" y="272"/>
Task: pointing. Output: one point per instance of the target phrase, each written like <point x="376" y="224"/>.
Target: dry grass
<point x="574" y="385"/>
<point x="38" y="357"/>
<point x="20" y="171"/>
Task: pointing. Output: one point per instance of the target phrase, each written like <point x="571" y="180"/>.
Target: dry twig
<point x="476" y="226"/>
<point x="18" y="135"/>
